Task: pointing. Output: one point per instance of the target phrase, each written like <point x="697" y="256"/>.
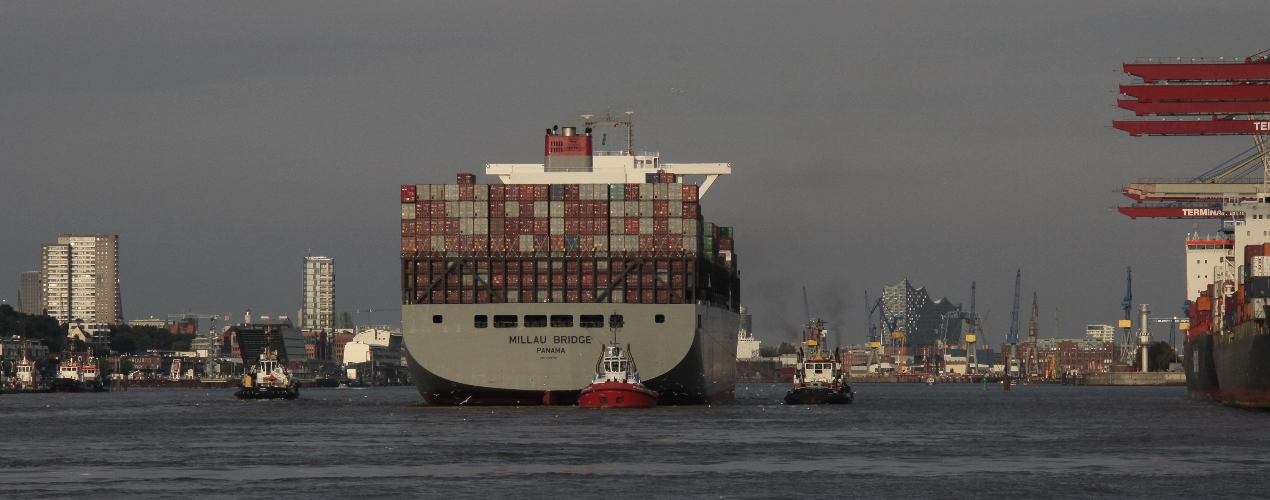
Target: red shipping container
<point x="676" y="296"/>
<point x="465" y="245"/>
<point x="663" y="296"/>
<point x="407" y="228"/>
<point x="661" y="208"/>
<point x="571" y="281"/>
<point x="666" y="177"/>
<point x="421" y="210"/>
<point x="451" y="226"/>
<point x="408" y="193"/>
<point x="557" y="243"/>
<point x="541" y="226"/>
<point x="438" y="297"/>
<point x="647" y="297"/>
<point x="690" y="193"/>
<point x="676" y="280"/>
<point x="527" y="225"/>
<point x="468" y="297"/>
<point x="675" y="244"/>
<point x="510" y="192"/>
<point x="585" y="209"/>
<point x="588" y="296"/>
<point x="602" y="279"/>
<point x="572" y="209"/>
<point x="467" y="192"/>
<point x="496" y="227"/>
<point x="513" y="280"/>
<point x="423" y="227"/>
<point x="646" y="243"/>
<point x="631" y="225"/>
<point x="436" y="226"/>
<point x="497" y="208"/>
<point x="542" y="192"/>
<point x="572" y="226"/>
<point x="482" y="296"/>
<point x="498" y="280"/>
<point x="571" y="296"/>
<point x="663" y="247"/>
<point x="600" y="209"/>
<point x="452" y="280"/>
<point x="725" y="243"/>
<point x="526" y="208"/>
<point x="497" y="192"/>
<point x="480" y="246"/>
<point x="586" y="243"/>
<point x="691" y="211"/>
<point x="631" y="192"/>
<point x="588" y="280"/>
<point x="407" y="245"/>
<point x="661" y="226"/>
<point x="438" y="267"/>
<point x="467" y="179"/>
<point x="543" y="242"/>
<point x="585" y="226"/>
<point x="527" y="295"/>
<point x="571" y="192"/>
<point x="601" y="226"/>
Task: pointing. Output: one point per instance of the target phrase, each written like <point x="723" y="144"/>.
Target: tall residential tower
<point x="317" y="308"/>
<point x="29" y="294"/>
<point x="79" y="279"/>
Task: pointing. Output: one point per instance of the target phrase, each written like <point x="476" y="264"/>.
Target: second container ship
<point x="507" y="288"/>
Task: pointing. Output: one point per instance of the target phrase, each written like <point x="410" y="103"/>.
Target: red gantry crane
<point x="1200" y="96"/>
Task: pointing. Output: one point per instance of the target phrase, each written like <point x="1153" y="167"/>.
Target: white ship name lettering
<point x="523" y="339"/>
<point x="571" y="339"/>
<point x="559" y="350"/>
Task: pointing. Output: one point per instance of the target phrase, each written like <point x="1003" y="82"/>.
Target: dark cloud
<point x="943" y="142"/>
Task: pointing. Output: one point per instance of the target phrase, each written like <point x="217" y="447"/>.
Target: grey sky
<point x="940" y="141"/>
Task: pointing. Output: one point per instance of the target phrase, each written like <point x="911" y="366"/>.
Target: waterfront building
<point x="747" y="347"/>
<point x="12" y="349"/>
<point x="317" y="310"/>
<point x="1103" y="333"/>
<point x="922" y="320"/>
<point x="79" y="281"/>
<point x="29" y="294"/>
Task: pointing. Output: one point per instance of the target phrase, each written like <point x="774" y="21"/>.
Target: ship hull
<point x="1241" y="357"/>
<point x="818" y="396"/>
<point x="1201" y="374"/>
<point x="616" y="395"/>
<point x="268" y="393"/>
<point x="688" y="357"/>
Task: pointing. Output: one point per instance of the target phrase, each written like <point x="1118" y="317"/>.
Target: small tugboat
<point x="616" y="383"/>
<point x="75" y="374"/>
<point x="818" y="377"/>
<point x="268" y="379"/>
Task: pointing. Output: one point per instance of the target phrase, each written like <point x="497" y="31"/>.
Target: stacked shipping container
<point x="639" y="243"/>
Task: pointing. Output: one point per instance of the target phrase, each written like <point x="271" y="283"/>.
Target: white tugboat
<point x="78" y="374"/>
<point x="268" y="379"/>
<point x="818" y="377"/>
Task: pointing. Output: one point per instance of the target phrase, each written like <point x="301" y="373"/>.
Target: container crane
<point x="1013" y="338"/>
<point x="1127" y="347"/>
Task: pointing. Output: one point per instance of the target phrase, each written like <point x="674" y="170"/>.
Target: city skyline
<point x="946" y="144"/>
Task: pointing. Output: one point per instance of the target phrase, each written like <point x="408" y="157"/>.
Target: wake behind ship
<point x="507" y="288"/>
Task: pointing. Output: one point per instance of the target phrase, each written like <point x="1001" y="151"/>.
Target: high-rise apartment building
<point x="317" y="308"/>
<point x="29" y="294"/>
<point x="79" y="280"/>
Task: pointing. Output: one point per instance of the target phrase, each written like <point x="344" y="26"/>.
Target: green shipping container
<point x="707" y="243"/>
<point x="617" y="192"/>
<point x="707" y="229"/>
<point x="725" y="232"/>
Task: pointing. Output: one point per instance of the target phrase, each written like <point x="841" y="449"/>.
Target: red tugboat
<point x="616" y="381"/>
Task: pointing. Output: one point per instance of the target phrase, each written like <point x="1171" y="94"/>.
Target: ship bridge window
<point x="436" y="318"/>
<point x="505" y="321"/>
<point x="560" y="321"/>
<point x="535" y="321"/>
<point x="480" y="321"/>
<point x="660" y="318"/>
<point x="591" y="321"/>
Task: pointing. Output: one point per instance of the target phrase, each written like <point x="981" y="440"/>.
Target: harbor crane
<point x="1013" y="337"/>
<point x="1031" y="362"/>
<point x="887" y="326"/>
<point x="1126" y="324"/>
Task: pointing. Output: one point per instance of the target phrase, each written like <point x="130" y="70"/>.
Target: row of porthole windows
<point x="542" y="320"/>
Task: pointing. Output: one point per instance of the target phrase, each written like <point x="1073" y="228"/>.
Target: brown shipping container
<point x="667" y="178"/>
<point x="631" y="225"/>
<point x="661" y="209"/>
<point x="423" y="227"/>
<point x="467" y="192"/>
<point x="572" y="226"/>
<point x="496" y="227"/>
<point x="725" y="243"/>
<point x="408" y="194"/>
<point x="497" y="208"/>
<point x="661" y="226"/>
<point x="689" y="193"/>
<point x="571" y="192"/>
<point x="468" y="179"/>
<point x="422" y="210"/>
<point x="572" y="209"/>
<point x="631" y="192"/>
<point x="691" y="211"/>
<point x="601" y="226"/>
<point x="497" y="192"/>
<point x="451" y="226"/>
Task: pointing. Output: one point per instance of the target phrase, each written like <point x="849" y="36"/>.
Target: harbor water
<point x="897" y="440"/>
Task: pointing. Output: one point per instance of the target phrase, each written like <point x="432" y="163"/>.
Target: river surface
<point x="897" y="440"/>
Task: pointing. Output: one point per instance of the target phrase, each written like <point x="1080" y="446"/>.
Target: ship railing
<point x="1192" y="60"/>
<point x="1192" y="180"/>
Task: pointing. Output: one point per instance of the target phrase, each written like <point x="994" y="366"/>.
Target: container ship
<point x="507" y="287"/>
<point x="1227" y="345"/>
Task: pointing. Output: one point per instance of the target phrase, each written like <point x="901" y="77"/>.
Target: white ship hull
<point x="689" y="358"/>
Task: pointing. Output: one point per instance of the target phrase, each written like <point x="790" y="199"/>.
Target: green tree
<point x="138" y="339"/>
<point x="33" y="327"/>
<point x="1159" y="355"/>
